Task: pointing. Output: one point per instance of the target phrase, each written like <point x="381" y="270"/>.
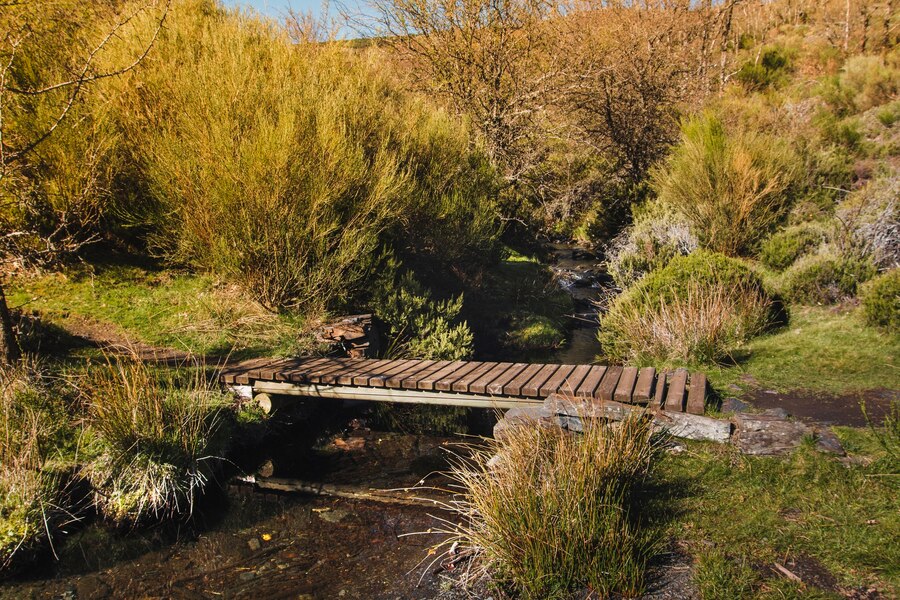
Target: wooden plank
<point x="427" y="382"/>
<point x="300" y="372"/>
<point x="675" y="396"/>
<point x="587" y="387"/>
<point x="364" y="378"/>
<point x="268" y="370"/>
<point x="479" y="386"/>
<point x="353" y="366"/>
<point x="608" y="386"/>
<point x="496" y="386"/>
<point x="696" y="401"/>
<point x="370" y="366"/>
<point x="240" y="373"/>
<point x="533" y="387"/>
<point x="394" y="380"/>
<point x="514" y="387"/>
<point x="574" y="380"/>
<point x="411" y="382"/>
<point x="380" y="379"/>
<point x="552" y="385"/>
<point x="659" y="396"/>
<point x="446" y="382"/>
<point x="625" y="387"/>
<point x="315" y="374"/>
<point x="283" y="373"/>
<point x="643" y="389"/>
<point x="462" y="383"/>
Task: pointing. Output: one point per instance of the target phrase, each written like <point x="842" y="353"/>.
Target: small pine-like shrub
<point x="156" y="437"/>
<point x="546" y="513"/>
<point x="766" y="70"/>
<point x="881" y="301"/>
<point x="695" y="309"/>
<point x="783" y="248"/>
<point x="825" y="278"/>
<point x="731" y="187"/>
<point x="865" y="81"/>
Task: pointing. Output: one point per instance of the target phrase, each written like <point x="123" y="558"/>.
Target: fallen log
<point x="349" y="492"/>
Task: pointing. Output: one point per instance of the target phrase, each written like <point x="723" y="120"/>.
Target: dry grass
<point x="157" y="438"/>
<point x="704" y="325"/>
<point x="544" y="512"/>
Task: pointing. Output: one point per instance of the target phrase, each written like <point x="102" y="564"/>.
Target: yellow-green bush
<point x="289" y="167"/>
<point x="731" y="186"/>
<point x="881" y="301"/>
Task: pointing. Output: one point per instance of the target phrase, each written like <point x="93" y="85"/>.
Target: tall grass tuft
<point x="27" y="491"/>
<point x="157" y="436"/>
<point x="546" y="512"/>
<point x="732" y="187"/>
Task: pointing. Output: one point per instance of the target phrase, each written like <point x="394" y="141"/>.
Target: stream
<point x="248" y="543"/>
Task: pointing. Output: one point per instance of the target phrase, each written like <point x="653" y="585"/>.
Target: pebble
<point x="254" y="544"/>
<point x="247" y="576"/>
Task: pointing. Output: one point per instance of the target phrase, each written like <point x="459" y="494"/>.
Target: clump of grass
<point x="551" y="512"/>
<point x="27" y="490"/>
<point x="705" y="325"/>
<point x="157" y="439"/>
<point x="825" y="278"/>
<point x="881" y="301"/>
<point x="535" y="332"/>
<point x="697" y="308"/>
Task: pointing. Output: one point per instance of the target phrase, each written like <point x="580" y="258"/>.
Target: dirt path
<point x="824" y="408"/>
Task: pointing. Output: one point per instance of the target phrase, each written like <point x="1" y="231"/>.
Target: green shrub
<point x="695" y="309"/>
<point x="881" y="301"/>
<point x="766" y="70"/>
<point x="825" y="278"/>
<point x="732" y="188"/>
<point x="535" y="332"/>
<point x="419" y="326"/>
<point x="865" y="81"/>
<point x="547" y="513"/>
<point x="315" y="162"/>
<point x="783" y="248"/>
<point x="157" y="439"/>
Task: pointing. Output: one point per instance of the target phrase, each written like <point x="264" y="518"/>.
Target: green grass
<point x="821" y="349"/>
<point x="160" y="307"/>
<point x="739" y="515"/>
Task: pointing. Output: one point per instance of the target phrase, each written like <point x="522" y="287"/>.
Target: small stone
<point x="779" y="413"/>
<point x="247" y="576"/>
<point x="734" y="405"/>
<point x="334" y="516"/>
<point x="827" y="441"/>
<point x="254" y="544"/>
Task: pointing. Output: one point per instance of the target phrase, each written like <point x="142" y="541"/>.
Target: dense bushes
<point x="881" y="301"/>
<point x="783" y="248"/>
<point x="157" y="439"/>
<point x="696" y="308"/>
<point x="315" y="161"/>
<point x="825" y="278"/>
<point x="767" y="69"/>
<point x="732" y="187"/>
<point x="550" y="514"/>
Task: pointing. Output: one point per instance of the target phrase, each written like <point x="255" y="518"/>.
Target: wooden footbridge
<point x="674" y="396"/>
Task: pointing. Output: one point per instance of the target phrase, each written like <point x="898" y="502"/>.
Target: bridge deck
<point x="470" y="383"/>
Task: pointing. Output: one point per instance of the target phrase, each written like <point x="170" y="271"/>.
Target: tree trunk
<point x="9" y="349"/>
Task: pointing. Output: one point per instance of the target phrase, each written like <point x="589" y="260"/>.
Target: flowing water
<point x="247" y="543"/>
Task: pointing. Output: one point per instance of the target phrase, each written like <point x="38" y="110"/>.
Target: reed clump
<point x="157" y="438"/>
<point x="546" y="512"/>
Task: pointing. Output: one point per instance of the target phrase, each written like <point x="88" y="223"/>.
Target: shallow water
<point x="251" y="543"/>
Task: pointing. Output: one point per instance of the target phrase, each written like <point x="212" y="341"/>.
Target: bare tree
<point x="492" y="60"/>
